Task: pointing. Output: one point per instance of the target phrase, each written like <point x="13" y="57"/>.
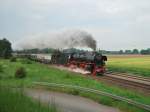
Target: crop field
<point x="136" y="64"/>
<point x="39" y="72"/>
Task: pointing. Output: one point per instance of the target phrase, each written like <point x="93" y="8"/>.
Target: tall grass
<point x="16" y="101"/>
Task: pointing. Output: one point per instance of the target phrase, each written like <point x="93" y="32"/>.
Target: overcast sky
<point x="115" y="24"/>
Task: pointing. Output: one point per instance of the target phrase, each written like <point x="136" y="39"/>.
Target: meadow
<point x="136" y="64"/>
<point x="40" y="72"/>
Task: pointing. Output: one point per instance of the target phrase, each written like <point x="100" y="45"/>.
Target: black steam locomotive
<point x="91" y="61"/>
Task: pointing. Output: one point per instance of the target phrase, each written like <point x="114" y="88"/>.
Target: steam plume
<point x="61" y="40"/>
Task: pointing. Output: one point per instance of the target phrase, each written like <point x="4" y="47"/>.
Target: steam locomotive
<point x="90" y="61"/>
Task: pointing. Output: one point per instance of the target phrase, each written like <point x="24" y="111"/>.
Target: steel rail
<point x="133" y="78"/>
<point x="145" y="83"/>
<point x="126" y="83"/>
<point x="128" y="75"/>
<point x="116" y="97"/>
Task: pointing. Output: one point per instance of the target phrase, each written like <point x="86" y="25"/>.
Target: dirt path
<point x="69" y="103"/>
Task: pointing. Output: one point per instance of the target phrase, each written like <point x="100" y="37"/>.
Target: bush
<point x="20" y="73"/>
<point x="13" y="59"/>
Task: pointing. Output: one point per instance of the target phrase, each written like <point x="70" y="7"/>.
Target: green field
<point x="40" y="72"/>
<point x="136" y="64"/>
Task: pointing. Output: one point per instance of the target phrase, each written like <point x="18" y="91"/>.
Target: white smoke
<point x="59" y="40"/>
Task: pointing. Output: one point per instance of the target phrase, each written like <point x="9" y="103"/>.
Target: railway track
<point x="125" y="80"/>
<point x="127" y="75"/>
<point x="139" y="83"/>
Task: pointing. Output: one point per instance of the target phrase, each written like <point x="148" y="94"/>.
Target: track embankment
<point x="139" y="83"/>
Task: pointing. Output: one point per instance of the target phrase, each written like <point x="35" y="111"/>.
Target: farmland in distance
<point x="136" y="64"/>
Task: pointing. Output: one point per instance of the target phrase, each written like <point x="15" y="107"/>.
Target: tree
<point x="135" y="51"/>
<point x="121" y="52"/>
<point x="145" y="51"/>
<point x="128" y="52"/>
<point x="5" y="48"/>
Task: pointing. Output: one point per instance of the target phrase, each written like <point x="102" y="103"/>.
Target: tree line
<point x="6" y="50"/>
<point x="35" y="51"/>
<point x="134" y="51"/>
<point x="50" y="50"/>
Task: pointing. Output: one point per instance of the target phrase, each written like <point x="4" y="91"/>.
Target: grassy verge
<point x="139" y="65"/>
<point x="15" y="101"/>
<point x="39" y="72"/>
